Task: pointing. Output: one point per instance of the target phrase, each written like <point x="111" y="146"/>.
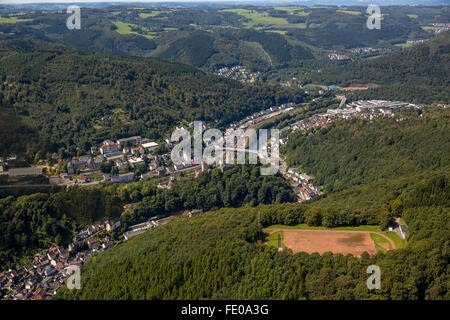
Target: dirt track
<point x="336" y="241"/>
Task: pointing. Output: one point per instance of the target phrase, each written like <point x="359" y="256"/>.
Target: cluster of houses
<point x="413" y="42"/>
<point x="364" y="50"/>
<point x="49" y="270"/>
<point x="370" y="50"/>
<point x="441" y="27"/>
<point x="362" y="109"/>
<point x="131" y="151"/>
<point x="261" y="115"/>
<point x="123" y="151"/>
<point x="239" y="73"/>
<point x="302" y="185"/>
<point x="335" y="56"/>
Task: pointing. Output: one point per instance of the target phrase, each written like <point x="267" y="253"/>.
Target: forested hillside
<point x="356" y="152"/>
<point x="219" y="255"/>
<point x="37" y="221"/>
<point x="417" y="74"/>
<point x="255" y="49"/>
<point x="75" y="100"/>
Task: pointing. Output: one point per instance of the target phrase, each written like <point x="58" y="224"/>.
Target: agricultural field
<point x="343" y="240"/>
<point x="125" y="28"/>
<point x="13" y="20"/>
<point x="427" y="28"/>
<point x="349" y="12"/>
<point x="403" y="45"/>
<point x="258" y="18"/>
<point x="151" y="14"/>
<point x="293" y="10"/>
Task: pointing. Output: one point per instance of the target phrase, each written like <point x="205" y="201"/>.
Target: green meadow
<point x="377" y="239"/>
<point x="403" y="45"/>
<point x="308" y="227"/>
<point x="152" y="14"/>
<point x="13" y="20"/>
<point x="258" y="18"/>
<point x="349" y="12"/>
<point x="125" y="28"/>
<point x="272" y="240"/>
<point x="430" y="28"/>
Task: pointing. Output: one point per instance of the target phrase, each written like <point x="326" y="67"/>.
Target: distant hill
<point x="210" y="36"/>
<point x="418" y="73"/>
<point x="75" y="99"/>
<point x="255" y="49"/>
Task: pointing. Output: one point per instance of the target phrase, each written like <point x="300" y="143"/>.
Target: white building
<point x="150" y="146"/>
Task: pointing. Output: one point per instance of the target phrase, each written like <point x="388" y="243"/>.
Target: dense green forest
<point x="33" y="222"/>
<point x="355" y="152"/>
<point x="257" y="50"/>
<point x="13" y="133"/>
<point x="75" y="100"/>
<point x="219" y="255"/>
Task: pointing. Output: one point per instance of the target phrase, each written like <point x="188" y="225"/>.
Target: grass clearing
<point x="125" y="28"/>
<point x="293" y="10"/>
<point x="257" y="18"/>
<point x="399" y="242"/>
<point x="378" y="240"/>
<point x="295" y="25"/>
<point x="355" y="13"/>
<point x="379" y="248"/>
<point x="272" y="239"/>
<point x="308" y="227"/>
<point x="278" y="31"/>
<point x="427" y="28"/>
<point x="288" y="9"/>
<point x="413" y="16"/>
<point x="151" y="14"/>
<point x="13" y="20"/>
<point x="403" y="45"/>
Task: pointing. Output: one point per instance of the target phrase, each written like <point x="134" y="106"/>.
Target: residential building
<point x="136" y="140"/>
<point x="109" y="147"/>
<point x="122" y="178"/>
<point x="150" y="146"/>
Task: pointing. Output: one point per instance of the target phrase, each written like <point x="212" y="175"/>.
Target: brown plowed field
<point x="336" y="241"/>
